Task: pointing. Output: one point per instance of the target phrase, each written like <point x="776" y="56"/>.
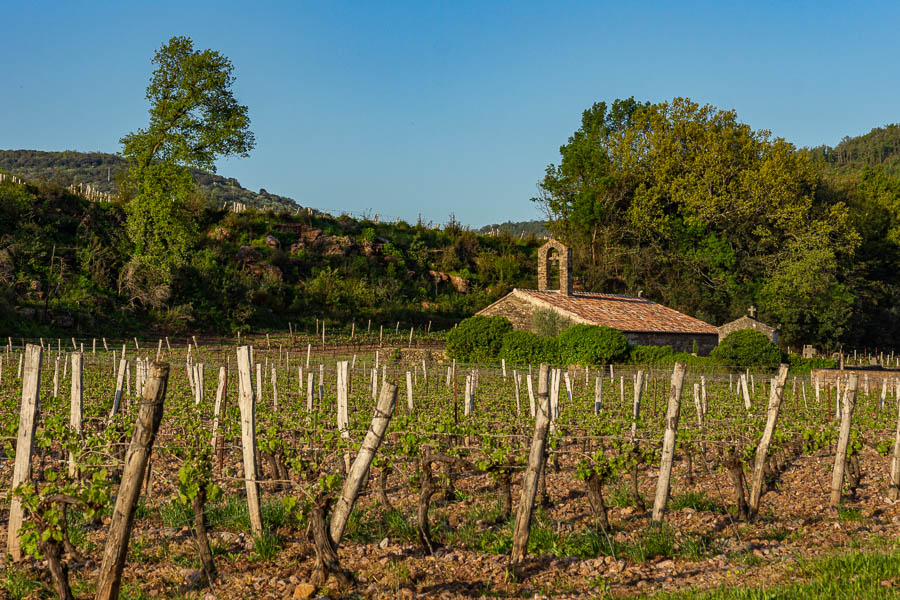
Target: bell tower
<point x="563" y="254"/>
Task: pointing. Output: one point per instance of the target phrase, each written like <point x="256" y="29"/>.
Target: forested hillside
<point x="68" y="264"/>
<point x="103" y="172"/>
<point x="879" y="147"/>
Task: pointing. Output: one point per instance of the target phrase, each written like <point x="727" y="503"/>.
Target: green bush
<point x="478" y="338"/>
<point x="546" y="322"/>
<point x="802" y="366"/>
<point x="524" y="347"/>
<point x="591" y="345"/>
<point x="746" y="348"/>
<point x="648" y="355"/>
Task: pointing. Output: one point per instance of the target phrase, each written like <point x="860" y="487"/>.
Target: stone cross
<point x="752" y="311"/>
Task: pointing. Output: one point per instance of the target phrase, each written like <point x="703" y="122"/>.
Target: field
<point x="436" y="515"/>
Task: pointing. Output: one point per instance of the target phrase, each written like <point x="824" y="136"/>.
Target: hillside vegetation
<point x="103" y="172"/>
<point x="67" y="264"/>
<point x="709" y="216"/>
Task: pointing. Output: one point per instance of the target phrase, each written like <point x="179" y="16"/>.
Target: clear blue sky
<point x="417" y="107"/>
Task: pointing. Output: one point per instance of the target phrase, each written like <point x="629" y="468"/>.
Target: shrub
<point x="546" y="322"/>
<point x="747" y="347"/>
<point x="478" y="338"/>
<point x="592" y="344"/>
<point x="648" y="355"/>
<point x="524" y="347"/>
<point x="802" y="366"/>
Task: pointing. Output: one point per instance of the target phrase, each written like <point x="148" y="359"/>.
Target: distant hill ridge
<point x="881" y="146"/>
<point x="100" y="170"/>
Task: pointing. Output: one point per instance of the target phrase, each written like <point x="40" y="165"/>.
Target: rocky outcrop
<point x="265" y="269"/>
<point x="246" y="254"/>
<point x="460" y="284"/>
<point x="219" y="234"/>
<point x="272" y="242"/>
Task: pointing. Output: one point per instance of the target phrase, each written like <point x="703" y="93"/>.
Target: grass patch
<point x="846" y="513"/>
<point x="266" y="546"/>
<point x="694" y="500"/>
<point x="366" y="526"/>
<point x="848" y="576"/>
<point x="20" y="584"/>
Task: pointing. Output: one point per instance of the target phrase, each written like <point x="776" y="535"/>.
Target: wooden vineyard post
<point x="516" y="383"/>
<point x="310" y="382"/>
<point x="275" y="389"/>
<point x="136" y="459"/>
<point x="745" y="392"/>
<point x="247" y="403"/>
<point x="636" y="407"/>
<point x="75" y="408"/>
<point x="840" y="456"/>
<point x="409" y="391"/>
<point x="531" y="395"/>
<point x="598" y="395"/>
<point x="894" y="489"/>
<point x="28" y="412"/>
<point x="698" y="405"/>
<point x="218" y="442"/>
<point x="359" y="471"/>
<point x="673" y="410"/>
<point x="259" y="382"/>
<point x="536" y="457"/>
<point x="775" y="396"/>
<point x="120" y="381"/>
<point x="343" y="396"/>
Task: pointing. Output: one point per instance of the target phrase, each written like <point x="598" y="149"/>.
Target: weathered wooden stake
<point x="136" y="459"/>
<point x="536" y="458"/>
<point x="775" y="396"/>
<point x="359" y="471"/>
<point x="247" y="405"/>
<point x="75" y="407"/>
<point x="28" y="413"/>
<point x="673" y="411"/>
<point x="840" y="456"/>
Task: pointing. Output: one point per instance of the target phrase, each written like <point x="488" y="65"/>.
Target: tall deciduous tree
<point x="194" y="119"/>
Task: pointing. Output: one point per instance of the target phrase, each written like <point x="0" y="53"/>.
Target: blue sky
<point x="416" y="107"/>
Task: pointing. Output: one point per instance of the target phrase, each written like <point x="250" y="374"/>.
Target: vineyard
<point x="282" y="467"/>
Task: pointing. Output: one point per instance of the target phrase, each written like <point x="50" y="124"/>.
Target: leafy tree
<point x="194" y="119"/>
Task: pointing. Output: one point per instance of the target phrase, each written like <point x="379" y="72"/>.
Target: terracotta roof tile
<point x="625" y="313"/>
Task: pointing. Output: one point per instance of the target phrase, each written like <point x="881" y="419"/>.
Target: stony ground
<point x="706" y="547"/>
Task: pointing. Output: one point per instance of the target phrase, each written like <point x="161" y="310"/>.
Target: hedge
<point x="478" y="338"/>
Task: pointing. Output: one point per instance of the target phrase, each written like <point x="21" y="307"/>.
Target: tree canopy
<point x="703" y="213"/>
<point x="194" y="119"/>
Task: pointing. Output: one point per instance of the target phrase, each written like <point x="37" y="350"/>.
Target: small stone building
<point x="643" y="322"/>
<point x="749" y="321"/>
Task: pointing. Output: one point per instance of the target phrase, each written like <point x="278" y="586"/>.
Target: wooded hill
<point x="102" y="171"/>
<point x="879" y="147"/>
<point x="68" y="265"/>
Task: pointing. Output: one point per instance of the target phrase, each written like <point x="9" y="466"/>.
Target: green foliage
<point x="591" y="345"/>
<point x="194" y="119"/>
<point x="648" y="355"/>
<point x="546" y="322"/>
<point x="728" y="214"/>
<point x="747" y="347"/>
<point x="478" y="338"/>
<point x="524" y="347"/>
<point x="802" y="366"/>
